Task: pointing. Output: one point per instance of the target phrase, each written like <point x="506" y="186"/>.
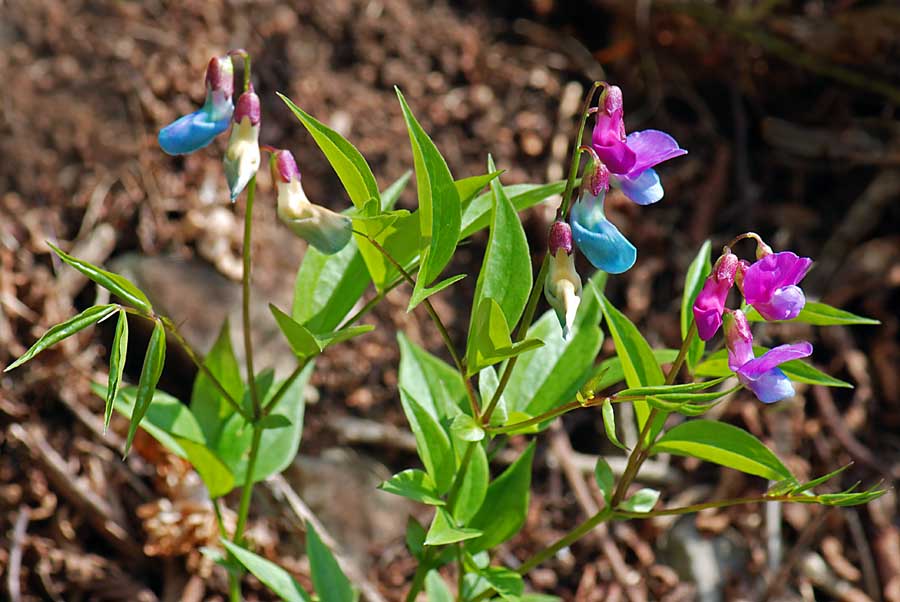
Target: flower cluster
<point x="324" y="229"/>
<point x="769" y="285"/>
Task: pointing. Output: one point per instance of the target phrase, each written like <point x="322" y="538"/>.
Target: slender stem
<point x="801" y="499"/>
<point x="573" y="536"/>
<point x="173" y="330"/>
<point x="419" y="578"/>
<point x="460" y="573"/>
<point x="460" y="475"/>
<point x="247" y="489"/>
<point x="288" y="382"/>
<point x="245" y="296"/>
<point x="521" y="333"/>
<point x="219" y="520"/>
<point x="682" y="354"/>
<point x="576" y="153"/>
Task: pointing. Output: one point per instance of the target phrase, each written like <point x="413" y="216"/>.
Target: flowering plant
<point x="515" y="374"/>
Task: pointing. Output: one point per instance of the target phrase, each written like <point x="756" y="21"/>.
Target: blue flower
<point x="597" y="238"/>
<point x="196" y="130"/>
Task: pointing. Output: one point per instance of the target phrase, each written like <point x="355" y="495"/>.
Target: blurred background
<point x="788" y="109"/>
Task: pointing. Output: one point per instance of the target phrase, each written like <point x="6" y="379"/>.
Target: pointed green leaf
<point x="303" y="343"/>
<point x="270" y="574"/>
<point x="328" y="286"/>
<point x="274" y="421"/>
<point x="207" y="402"/>
<point x="347" y="162"/>
<point x="505" y="506"/>
<point x="469" y="187"/>
<point x="415" y="537"/>
<point x="474" y="486"/>
<point x="477" y="213"/>
<point x="117" y="354"/>
<point x="57" y="333"/>
<point x="114" y="283"/>
<point x="439" y="207"/>
<point x="609" y="372"/>
<point x="215" y="475"/>
<point x="399" y="237"/>
<point x="432" y="442"/>
<point x="638" y="362"/>
<point x="603" y="475"/>
<point x="150" y="373"/>
<point x="420" y="293"/>
<point x="443" y="531"/>
<point x="642" y="501"/>
<point x="609" y="424"/>
<point x="800" y="488"/>
<point x="693" y="284"/>
<point x="550" y="375"/>
<point x="328" y="579"/>
<point x="436" y="385"/>
<point x="466" y="428"/>
<point x="492" y="343"/>
<point x="436" y="589"/>
<point x="392" y="193"/>
<point x="723" y="444"/>
<point x="820" y="314"/>
<point x="508" y="584"/>
<point x="415" y="485"/>
<point x="505" y="274"/>
<point x="670" y="389"/>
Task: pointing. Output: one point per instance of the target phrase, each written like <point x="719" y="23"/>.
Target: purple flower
<point x="770" y="285"/>
<point x="760" y="374"/>
<point x="631" y="158"/>
<point x="710" y="303"/>
<point x="194" y="131"/>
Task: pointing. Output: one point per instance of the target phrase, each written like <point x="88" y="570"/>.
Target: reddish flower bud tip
<point x="596" y="178"/>
<point x="560" y="238"/>
<point x="612" y="100"/>
<point x="284" y="167"/>
<point x="247" y="106"/>
<point x="220" y="75"/>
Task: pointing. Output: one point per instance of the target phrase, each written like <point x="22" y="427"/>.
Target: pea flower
<point x="194" y="131"/>
<point x="242" y="155"/>
<point x="596" y="237"/>
<point x="770" y="285"/>
<point x="710" y="303"/>
<point x="631" y="157"/>
<point x="327" y="231"/>
<point x="562" y="287"/>
<point x="760" y="374"/>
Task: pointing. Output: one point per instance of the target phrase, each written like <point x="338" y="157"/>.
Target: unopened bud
<point x="242" y="157"/>
<point x="283" y="166"/>
<point x="220" y="75"/>
<point x="562" y="288"/>
<point x="738" y="339"/>
<point x="247" y="107"/>
<point x="560" y="238"/>
<point x="595" y="179"/>
<point x="725" y="268"/>
<point x="612" y="100"/>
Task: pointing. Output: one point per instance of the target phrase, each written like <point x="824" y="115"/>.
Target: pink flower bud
<point x="560" y="238"/>
<point x="284" y="167"/>
<point x="247" y="106"/>
<point x="220" y="75"/>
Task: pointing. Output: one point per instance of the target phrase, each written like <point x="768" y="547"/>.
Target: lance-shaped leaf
<point x="469" y="187"/>
<point x="215" y="475"/>
<point x="605" y="479"/>
<point x="207" y="402"/>
<point x="489" y="339"/>
<point x="432" y="442"/>
<point x="436" y="589"/>
<point x="723" y="444"/>
<point x="114" y="283"/>
<point x="820" y="314"/>
<point x="433" y="383"/>
<point x="117" y="354"/>
<point x="270" y="574"/>
<point x="474" y="486"/>
<point x="477" y="213"/>
<point x="638" y="362"/>
<point x="440" y="213"/>
<point x="154" y="360"/>
<point x="443" y="531"/>
<point x="508" y="584"/>
<point x="503" y="512"/>
<point x="304" y="343"/>
<point x="609" y="424"/>
<point x="693" y="283"/>
<point x="347" y="162"/>
<point x="57" y="333"/>
<point x="415" y="485"/>
<point x="328" y="579"/>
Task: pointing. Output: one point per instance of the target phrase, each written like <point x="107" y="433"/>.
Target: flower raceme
<point x="327" y="231"/>
<point x="242" y="158"/>
<point x="760" y="374"/>
<point x="562" y="287"/>
<point x="194" y="131"/>
<point x="631" y="158"/>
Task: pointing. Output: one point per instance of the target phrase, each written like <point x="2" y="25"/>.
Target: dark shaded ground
<point x="789" y="112"/>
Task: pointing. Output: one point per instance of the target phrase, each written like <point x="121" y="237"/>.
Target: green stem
<point x="298" y="369"/>
<point x="521" y="333"/>
<point x="573" y="536"/>
<point x="802" y="499"/>
<point x="419" y="577"/>
<point x="247" y="489"/>
<point x="563" y="210"/>
<point x="460" y="475"/>
<point x="245" y="296"/>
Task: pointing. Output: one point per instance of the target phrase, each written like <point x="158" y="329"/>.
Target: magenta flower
<point x="631" y="158"/>
<point x="710" y="303"/>
<point x="760" y="374"/>
<point x="770" y="285"/>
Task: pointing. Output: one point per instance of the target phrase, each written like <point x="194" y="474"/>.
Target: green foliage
<point x="639" y="364"/>
<point x="415" y="485"/>
<point x="444" y="531"/>
<point x="328" y="579"/>
<point x="490" y="341"/>
<point x="433" y="383"/>
<point x="436" y="589"/>
<point x="432" y="442"/>
<point x="150" y="373"/>
<point x="723" y="444"/>
<point x="117" y="355"/>
<point x="270" y="574"/>
<point x="505" y="505"/>
<point x="208" y="404"/>
<point x="693" y="284"/>
<point x="474" y="486"/>
<point x="609" y="424"/>
<point x="820" y="314"/>
<point x="605" y="479"/>
<point x="440" y="212"/>
<point x="716" y="364"/>
<point x="114" y="283"/>
<point x="642" y="501"/>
